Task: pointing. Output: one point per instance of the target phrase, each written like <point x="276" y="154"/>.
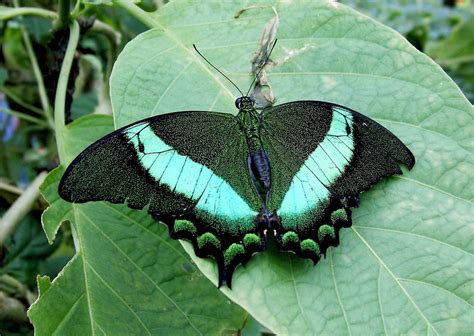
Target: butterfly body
<point x="226" y="182"/>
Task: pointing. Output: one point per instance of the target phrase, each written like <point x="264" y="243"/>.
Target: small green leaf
<point x="44" y="283"/>
<point x="405" y="265"/>
<point x="16" y="57"/>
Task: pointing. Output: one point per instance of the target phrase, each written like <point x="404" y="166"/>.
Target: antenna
<point x="258" y="73"/>
<point x="217" y="69"/>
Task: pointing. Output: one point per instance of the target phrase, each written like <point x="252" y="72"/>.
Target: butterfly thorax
<point x="250" y="125"/>
<point x="257" y="160"/>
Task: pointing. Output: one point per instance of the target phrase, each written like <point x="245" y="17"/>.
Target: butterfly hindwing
<point x="323" y="155"/>
<point x="189" y="170"/>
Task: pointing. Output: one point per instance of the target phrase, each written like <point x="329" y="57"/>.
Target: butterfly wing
<point x="189" y="169"/>
<point x="322" y="156"/>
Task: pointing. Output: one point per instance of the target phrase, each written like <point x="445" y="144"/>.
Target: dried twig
<point x="20" y="208"/>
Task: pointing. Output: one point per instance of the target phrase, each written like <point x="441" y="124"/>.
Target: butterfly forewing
<point x="189" y="169"/>
<point x="329" y="154"/>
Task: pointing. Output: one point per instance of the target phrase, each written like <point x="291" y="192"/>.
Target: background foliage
<point x="423" y="270"/>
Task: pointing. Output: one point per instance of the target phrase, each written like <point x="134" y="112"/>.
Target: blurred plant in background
<point x="30" y="60"/>
<point x="30" y="56"/>
<point x="444" y="30"/>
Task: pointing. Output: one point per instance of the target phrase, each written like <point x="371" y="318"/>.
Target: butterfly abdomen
<point x="257" y="160"/>
<point x="259" y="166"/>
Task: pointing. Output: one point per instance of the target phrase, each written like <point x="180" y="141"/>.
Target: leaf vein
<point x="433" y="188"/>
<point x="84" y="262"/>
<point x="168" y="87"/>
<point x="144" y="274"/>
<point x="344" y="315"/>
<point x="135" y="71"/>
<point x="416" y="235"/>
<point x="119" y="297"/>
<point x="403" y="123"/>
<point x="158" y="237"/>
<point x="379" y="299"/>
<point x="397" y="280"/>
<point x="438" y="287"/>
<point x="69" y="311"/>
<point x="297" y="294"/>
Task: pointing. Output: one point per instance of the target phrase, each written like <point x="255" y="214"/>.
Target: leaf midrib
<point x="68" y="312"/>
<point x="336" y="289"/>
<point x="295" y="287"/>
<point x="75" y="211"/>
<point x="138" y="268"/>
<point x="114" y="292"/>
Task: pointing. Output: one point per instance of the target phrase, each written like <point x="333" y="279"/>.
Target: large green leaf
<point x="405" y="267"/>
<point x="128" y="277"/>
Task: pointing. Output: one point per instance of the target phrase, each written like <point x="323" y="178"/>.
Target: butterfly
<point x="226" y="183"/>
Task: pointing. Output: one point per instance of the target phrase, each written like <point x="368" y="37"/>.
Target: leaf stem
<point x="10" y="188"/>
<point x="64" y="7"/>
<point x="10" y="94"/>
<point x="17" y="288"/>
<point x="12" y="309"/>
<point x="36" y="70"/>
<point x="20" y="208"/>
<point x="98" y="26"/>
<point x="108" y="31"/>
<point x="61" y="90"/>
<point x="143" y="16"/>
<point x="24" y="116"/>
<point x="39" y="77"/>
<point x="9" y="13"/>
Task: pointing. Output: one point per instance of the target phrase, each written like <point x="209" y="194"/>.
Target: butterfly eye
<point x="238" y="102"/>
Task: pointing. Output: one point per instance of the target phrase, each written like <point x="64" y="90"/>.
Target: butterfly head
<point x="244" y="103"/>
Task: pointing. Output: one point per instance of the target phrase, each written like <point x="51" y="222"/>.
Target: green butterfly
<point x="225" y="182"/>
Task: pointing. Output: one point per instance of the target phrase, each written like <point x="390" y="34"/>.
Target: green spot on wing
<point x="325" y="231"/>
<point x="233" y="251"/>
<point x="339" y="215"/>
<point x="184" y="226"/>
<point x="309" y="245"/>
<point x="208" y="239"/>
<point x="251" y="239"/>
<point x="289" y="237"/>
